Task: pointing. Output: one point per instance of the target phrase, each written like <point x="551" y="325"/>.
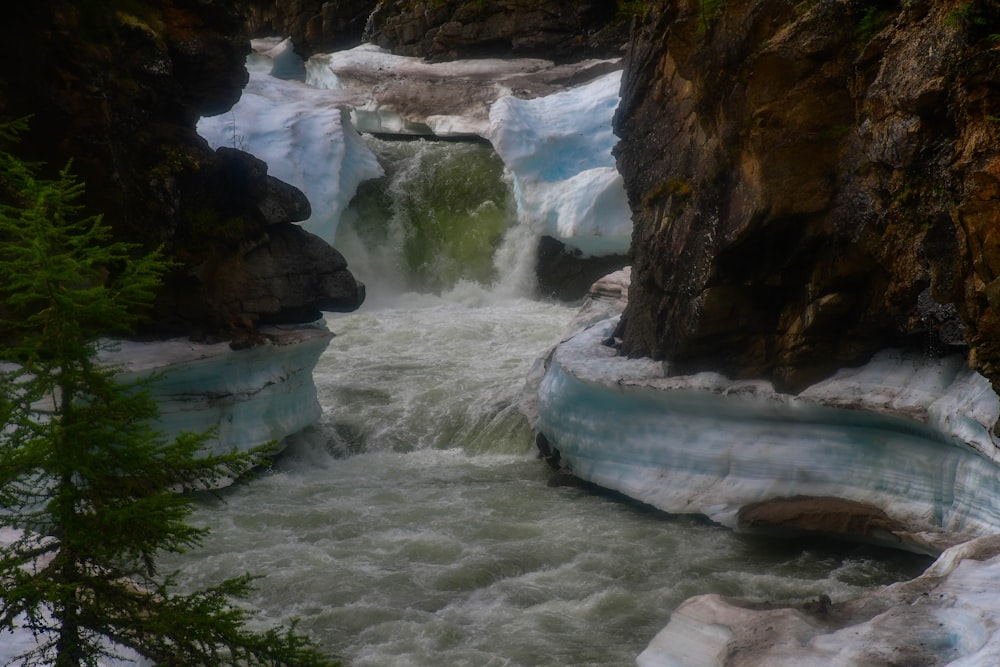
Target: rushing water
<point x="413" y="525"/>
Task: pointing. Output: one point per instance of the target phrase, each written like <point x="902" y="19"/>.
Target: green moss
<point x="804" y="7"/>
<point x="456" y="235"/>
<point x="135" y="23"/>
<point x="996" y="124"/>
<point x="176" y="160"/>
<point x="473" y="10"/>
<point x="629" y="8"/>
<point x="673" y="187"/>
<point x="707" y="12"/>
<point x="670" y="197"/>
<point x="100" y="19"/>
<point x="871" y="23"/>
<point x="836" y="132"/>
<point x="442" y="207"/>
<point x="208" y="230"/>
<point x="968" y="14"/>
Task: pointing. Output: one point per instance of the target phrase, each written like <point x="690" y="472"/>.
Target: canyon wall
<point x="812" y="182"/>
<point x="562" y="30"/>
<point x="116" y="88"/>
<point x="315" y="26"/>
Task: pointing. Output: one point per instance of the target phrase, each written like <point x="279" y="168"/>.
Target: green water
<point x="437" y="217"/>
<point x="413" y="525"/>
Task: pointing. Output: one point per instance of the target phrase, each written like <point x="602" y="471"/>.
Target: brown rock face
<point x="560" y="30"/>
<point x="315" y="26"/>
<point x="117" y="88"/>
<point x="812" y="182"/>
<point x="448" y="29"/>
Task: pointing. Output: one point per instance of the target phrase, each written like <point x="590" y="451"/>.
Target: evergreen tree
<point x="87" y="484"/>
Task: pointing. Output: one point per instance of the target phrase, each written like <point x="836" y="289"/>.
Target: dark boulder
<point x="117" y="88"/>
<point x="566" y="274"/>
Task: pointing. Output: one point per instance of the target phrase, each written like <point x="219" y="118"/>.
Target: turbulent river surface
<point x="413" y="525"/>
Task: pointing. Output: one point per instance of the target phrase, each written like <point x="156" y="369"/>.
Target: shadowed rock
<point x="118" y="92"/>
<point x="818" y="515"/>
<point x="811" y="183"/>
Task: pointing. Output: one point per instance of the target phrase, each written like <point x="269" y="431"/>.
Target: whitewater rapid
<point x="412" y="526"/>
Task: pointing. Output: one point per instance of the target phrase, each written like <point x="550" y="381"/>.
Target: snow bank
<point x="306" y="139"/>
<point x="905" y="435"/>
<point x="705" y="444"/>
<point x="558" y="148"/>
<point x="251" y="397"/>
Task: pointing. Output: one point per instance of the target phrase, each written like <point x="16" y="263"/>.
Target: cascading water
<point x="436" y="219"/>
<point x="412" y="526"/>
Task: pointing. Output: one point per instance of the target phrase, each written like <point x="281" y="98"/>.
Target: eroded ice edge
<point x="907" y="434"/>
<point x="249" y="397"/>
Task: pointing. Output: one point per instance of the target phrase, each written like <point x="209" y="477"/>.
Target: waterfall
<point x="442" y="216"/>
<point x="368" y="34"/>
<point x="412" y="525"/>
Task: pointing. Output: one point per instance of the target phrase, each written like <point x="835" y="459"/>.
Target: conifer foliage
<point x="88" y="488"/>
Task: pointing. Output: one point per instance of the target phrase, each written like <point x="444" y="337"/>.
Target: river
<point x="413" y="525"/>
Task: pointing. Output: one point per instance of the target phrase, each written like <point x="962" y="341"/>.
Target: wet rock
<point x="818" y="515"/>
<point x="566" y="478"/>
<point x="558" y="29"/>
<point x="945" y="616"/>
<point x="811" y="183"/>
<point x="546" y="452"/>
<point x="565" y="274"/>
<point x="316" y="26"/>
<point x="242" y="177"/>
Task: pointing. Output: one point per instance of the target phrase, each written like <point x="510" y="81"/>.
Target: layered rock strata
<point x="315" y="26"/>
<point x="811" y="183"/>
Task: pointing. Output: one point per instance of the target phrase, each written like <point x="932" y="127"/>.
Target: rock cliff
<point x="562" y="30"/>
<point x="117" y="88"/>
<point x="812" y="182"/>
<point x="315" y="26"/>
